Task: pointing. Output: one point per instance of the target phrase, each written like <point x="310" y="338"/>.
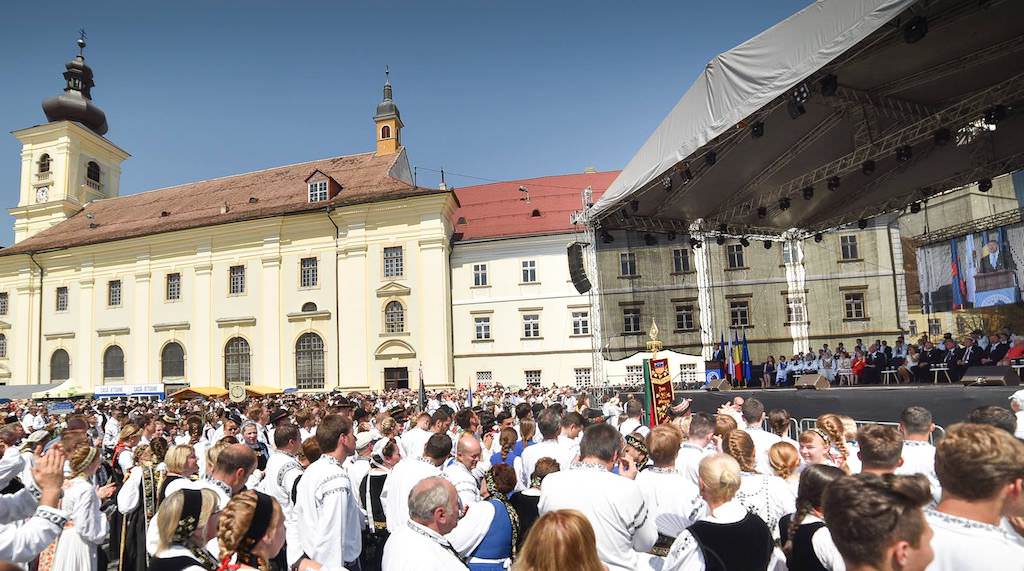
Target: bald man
<point x="461" y="472"/>
<point x="420" y="544"/>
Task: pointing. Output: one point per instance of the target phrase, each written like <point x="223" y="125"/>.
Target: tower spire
<point x="388" y="120"/>
<point x="76" y="104"/>
<point x="387" y="84"/>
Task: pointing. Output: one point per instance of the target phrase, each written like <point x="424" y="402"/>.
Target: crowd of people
<point x="532" y="480"/>
<point x="914" y="362"/>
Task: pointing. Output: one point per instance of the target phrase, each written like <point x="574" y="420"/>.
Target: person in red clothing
<point x="1015" y="352"/>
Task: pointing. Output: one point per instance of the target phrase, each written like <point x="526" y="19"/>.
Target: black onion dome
<point x="75" y="104"/>
<point x="387" y="107"/>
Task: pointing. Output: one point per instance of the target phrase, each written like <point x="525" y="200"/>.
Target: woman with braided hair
<point x="832" y="425"/>
<point x="78" y="545"/>
<point x="765" y="495"/>
<point x="489" y="532"/>
<point x="806" y="541"/>
<point x="250" y="532"/>
<point x="186" y="521"/>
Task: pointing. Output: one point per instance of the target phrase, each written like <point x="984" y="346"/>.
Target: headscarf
<point x="513" y="515"/>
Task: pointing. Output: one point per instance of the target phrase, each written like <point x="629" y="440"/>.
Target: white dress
<point x="768" y="497"/>
<point x="76" y="548"/>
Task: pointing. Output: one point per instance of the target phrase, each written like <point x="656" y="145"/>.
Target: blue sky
<point x="497" y="90"/>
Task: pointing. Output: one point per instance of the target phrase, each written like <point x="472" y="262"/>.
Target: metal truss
<point x="622" y="221"/>
<point x="981" y="224"/>
<point x="891" y="107"/>
<point x="952" y="67"/>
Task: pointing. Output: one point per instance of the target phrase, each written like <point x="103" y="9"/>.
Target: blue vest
<point x="497" y="544"/>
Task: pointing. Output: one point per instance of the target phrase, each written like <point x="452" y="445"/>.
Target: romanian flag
<point x="737" y="357"/>
<point x="959" y="286"/>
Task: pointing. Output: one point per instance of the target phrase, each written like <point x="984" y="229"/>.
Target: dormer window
<point x="92" y="171"/>
<point x="44" y="164"/>
<point x="318" y="191"/>
<point x="385" y="132"/>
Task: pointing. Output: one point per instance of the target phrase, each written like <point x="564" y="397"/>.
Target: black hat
<point x="594" y="413"/>
<point x="277" y="415"/>
<point x="360" y="414"/>
<point x="11" y="419"/>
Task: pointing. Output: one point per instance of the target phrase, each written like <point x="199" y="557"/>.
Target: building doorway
<point x="396" y="378"/>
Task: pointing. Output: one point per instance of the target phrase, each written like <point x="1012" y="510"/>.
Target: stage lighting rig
<point x="985" y="185"/>
<point x="720" y="240"/>
<point x="993" y="115"/>
<point x="915" y="29"/>
<point x="762" y="212"/>
<point x="784" y="203"/>
<point x="942" y="137"/>
<point x="606" y="237"/>
<point x="808" y="192"/>
<point x="723" y="228"/>
<point x="666" y="183"/>
<point x="818" y="237"/>
<point x="833" y="183"/>
<point x="915" y="207"/>
<point x="903" y="153"/>
<point x="671" y="236"/>
<point x="650" y="240"/>
<point x="868" y="167"/>
<point x="711" y="158"/>
<point x="797" y="98"/>
<point x="635" y="205"/>
<point x="767" y="244"/>
<point x="687" y="175"/>
<point x="862" y="223"/>
<point x="744" y="242"/>
<point x="757" y="129"/>
<point x="829" y="85"/>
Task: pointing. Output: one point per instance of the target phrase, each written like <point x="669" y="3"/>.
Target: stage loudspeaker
<point x="990" y="377"/>
<point x="813" y="381"/>
<point x="719" y="385"/>
<point x="576" y="271"/>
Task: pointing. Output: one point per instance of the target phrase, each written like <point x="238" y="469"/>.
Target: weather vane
<point x="81" y="42"/>
<point x="387" y="73"/>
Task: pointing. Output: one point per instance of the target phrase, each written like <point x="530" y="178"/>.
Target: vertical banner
<point x="658" y="385"/>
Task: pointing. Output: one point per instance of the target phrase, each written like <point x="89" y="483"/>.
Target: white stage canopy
<point x="845" y="110"/>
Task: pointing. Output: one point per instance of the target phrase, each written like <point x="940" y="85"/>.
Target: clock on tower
<point x="42" y="193"/>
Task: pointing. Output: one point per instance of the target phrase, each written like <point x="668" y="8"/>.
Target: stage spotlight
<point x="993" y="115"/>
<point x="795" y="109"/>
<point x="694" y="242"/>
<point x="757" y="129"/>
<point x="767" y="244"/>
<point x="915" y="208"/>
<point x="671" y="236"/>
<point x="903" y="153"/>
<point x="711" y="158"/>
<point x="666" y="183"/>
<point x="942" y="137"/>
<point x="635" y="205"/>
<point x="606" y="237"/>
<point x="784" y="203"/>
<point x="720" y="240"/>
<point x="687" y="175"/>
<point x="833" y="183"/>
<point x="818" y="237"/>
<point x="797" y="98"/>
<point x="723" y="228"/>
<point x="868" y="167"/>
<point x="762" y="211"/>
<point x="862" y="223"/>
<point x="808" y="192"/>
<point x="915" y="29"/>
<point x="650" y="240"/>
<point x="744" y="242"/>
<point x="985" y="184"/>
<point x="829" y="85"/>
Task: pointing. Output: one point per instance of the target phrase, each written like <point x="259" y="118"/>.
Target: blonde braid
<point x="833" y="426"/>
<point x="740" y="446"/>
<point x="235" y="520"/>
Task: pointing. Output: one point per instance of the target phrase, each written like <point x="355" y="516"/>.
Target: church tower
<point x="388" y="121"/>
<point x="66" y="162"/>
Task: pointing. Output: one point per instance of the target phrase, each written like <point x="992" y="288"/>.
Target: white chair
<point x="890" y="373"/>
<point x="936" y="369"/>
<point x="845" y="376"/>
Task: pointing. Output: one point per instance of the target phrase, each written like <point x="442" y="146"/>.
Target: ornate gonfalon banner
<point x="661" y="389"/>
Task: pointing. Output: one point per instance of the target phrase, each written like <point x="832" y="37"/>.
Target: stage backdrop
<point x="977" y="270"/>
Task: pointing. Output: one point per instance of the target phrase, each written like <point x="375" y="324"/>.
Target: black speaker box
<point x="576" y="270"/>
<point x="990" y="376"/>
<point x="812" y="381"/>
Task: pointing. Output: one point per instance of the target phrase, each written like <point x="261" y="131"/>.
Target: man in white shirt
<point x="1017" y="405"/>
<point x="550" y="424"/>
<point x="696" y="447"/>
<point x="633" y="422"/>
<point x="753" y="417"/>
<point x="918" y="454"/>
<point x="569" y="438"/>
<point x="981" y="469"/>
<point x="327" y="510"/>
<point x="414" y="439"/>
<point x="409" y="472"/>
<point x="460" y="472"/>
<point x="614" y="504"/>
<point x="279" y="480"/>
<point x="433" y="508"/>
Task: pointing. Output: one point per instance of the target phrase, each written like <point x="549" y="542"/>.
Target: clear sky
<point x="497" y="90"/>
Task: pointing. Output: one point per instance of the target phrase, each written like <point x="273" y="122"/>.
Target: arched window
<point x="60" y="366"/>
<point x="394" y="317"/>
<point x="44" y="163"/>
<point x="113" y="363"/>
<point x="385" y="132"/>
<point x="308" y="306"/>
<point x="309" y="362"/>
<point x="92" y="171"/>
<point x="236" y="361"/>
<point x="172" y="361"/>
<point x="3" y="346"/>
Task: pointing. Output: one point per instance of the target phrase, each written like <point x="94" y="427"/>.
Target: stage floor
<point x="948" y="403"/>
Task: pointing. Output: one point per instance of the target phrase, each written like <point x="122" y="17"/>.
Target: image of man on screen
<point x="995" y="259"/>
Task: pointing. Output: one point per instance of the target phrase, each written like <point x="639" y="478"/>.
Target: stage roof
<point x="873" y="87"/>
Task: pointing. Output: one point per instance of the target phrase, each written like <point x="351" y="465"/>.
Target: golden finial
<point x="653" y="346"/>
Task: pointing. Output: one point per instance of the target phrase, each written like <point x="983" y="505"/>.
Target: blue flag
<point x="469" y="396"/>
<point x="747" y="372"/>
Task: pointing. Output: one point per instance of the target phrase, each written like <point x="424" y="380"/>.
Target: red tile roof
<point x="499" y="210"/>
<point x="281" y="190"/>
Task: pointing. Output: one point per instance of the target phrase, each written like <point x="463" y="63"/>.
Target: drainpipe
<point x="39" y="333"/>
<point x="337" y="296"/>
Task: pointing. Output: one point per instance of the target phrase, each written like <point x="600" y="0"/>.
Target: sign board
<point x="60" y="408"/>
<point x="127" y="390"/>
<point x="236" y="391"/>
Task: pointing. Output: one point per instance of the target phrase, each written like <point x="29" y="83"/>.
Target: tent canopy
<point x="67" y="389"/>
<point x="198" y="392"/>
<point x="262" y="390"/>
<point x="823" y="101"/>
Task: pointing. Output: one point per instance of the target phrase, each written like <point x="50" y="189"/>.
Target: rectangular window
<point x="795" y="312"/>
<point x="394" y="265"/>
<point x="581" y="323"/>
<point x="237" y="280"/>
<point x="739" y="314"/>
<point x="627" y="264"/>
<point x="318" y="191"/>
<point x="848" y="247"/>
<point x="684" y="317"/>
<point x="484" y="377"/>
<point x="735" y="256"/>
<point x="62" y="298"/>
<point x="531" y="326"/>
<point x="114" y="293"/>
<point x="307" y="272"/>
<point x="634" y="374"/>
<point x="631" y="320"/>
<point x="582" y="376"/>
<point x="479" y="274"/>
<point x="483" y="327"/>
<point x="854" y="303"/>
<point x="789" y="253"/>
<point x="912" y="328"/>
<point x="529" y="271"/>
<point x="680" y="260"/>
<point x="3" y="303"/>
<point x="934" y="326"/>
<point x="532" y="378"/>
<point x="688" y="373"/>
<point x="173" y="287"/>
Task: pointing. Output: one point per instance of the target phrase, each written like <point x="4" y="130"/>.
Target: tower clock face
<point x="42" y="194"/>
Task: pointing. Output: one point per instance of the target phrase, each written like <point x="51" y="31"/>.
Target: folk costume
<point x="184" y="553"/>
<point x="136" y="506"/>
<point x="329" y="514"/>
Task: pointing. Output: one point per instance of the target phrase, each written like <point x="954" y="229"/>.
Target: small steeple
<point x="75" y="104"/>
<point x="388" y="120"/>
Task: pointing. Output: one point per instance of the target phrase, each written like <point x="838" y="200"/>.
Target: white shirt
<point x="763" y="440"/>
<point x="685" y="554"/>
<point x="21" y="542"/>
<point x="824" y="548"/>
<point x="570" y="450"/>
<point x="688" y="461"/>
<point x="668" y="491"/>
<point x="278" y="481"/>
<point x="413" y="546"/>
<point x="1020" y="425"/>
<point x="110" y="432"/>
<point x="328" y="514"/>
<point x="83" y="507"/>
<point x="532" y="454"/>
<point x="631" y="425"/>
<point x="919" y="458"/>
<point x="967" y="545"/>
<point x="402" y="479"/>
<point x="613" y="504"/>
<point x="413" y="442"/>
<point x="768" y="497"/>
